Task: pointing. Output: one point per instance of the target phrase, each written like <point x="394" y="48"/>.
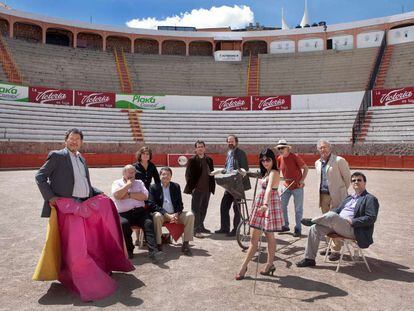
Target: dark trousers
<point x="225" y="206"/>
<point x="137" y="217"/>
<point x="199" y="205"/>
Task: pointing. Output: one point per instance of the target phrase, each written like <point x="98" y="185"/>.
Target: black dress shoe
<point x="231" y="233"/>
<point x="334" y="256"/>
<point x="297" y="234"/>
<point x="185" y="249"/>
<point x="307" y="222"/>
<point x="204" y="230"/>
<point x="285" y="229"/>
<point x="306" y="263"/>
<point x="323" y="253"/>
<point x="130" y="254"/>
<point x="221" y="231"/>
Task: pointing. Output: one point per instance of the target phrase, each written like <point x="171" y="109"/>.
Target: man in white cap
<point x="294" y="171"/>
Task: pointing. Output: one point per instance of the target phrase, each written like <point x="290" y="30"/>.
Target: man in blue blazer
<point x="354" y="218"/>
<point x="166" y="203"/>
<point x="65" y="173"/>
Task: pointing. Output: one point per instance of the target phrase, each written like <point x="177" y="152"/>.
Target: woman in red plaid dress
<point x="267" y="214"/>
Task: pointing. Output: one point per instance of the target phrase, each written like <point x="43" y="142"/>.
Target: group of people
<point x="94" y="229"/>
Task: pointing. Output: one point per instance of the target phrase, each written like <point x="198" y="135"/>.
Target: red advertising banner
<point x="231" y="103"/>
<point x="281" y="102"/>
<point x="44" y="95"/>
<point x="390" y="97"/>
<point x="94" y="99"/>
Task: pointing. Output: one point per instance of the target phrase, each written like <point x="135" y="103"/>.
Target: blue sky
<point x="267" y="12"/>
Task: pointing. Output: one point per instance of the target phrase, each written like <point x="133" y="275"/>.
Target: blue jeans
<point x="298" y="202"/>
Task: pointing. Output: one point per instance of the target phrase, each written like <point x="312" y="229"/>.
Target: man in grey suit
<point x="354" y="218"/>
<point x="65" y="173"/>
<point x="236" y="158"/>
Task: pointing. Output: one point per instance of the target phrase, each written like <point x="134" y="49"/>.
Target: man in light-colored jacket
<point x="333" y="182"/>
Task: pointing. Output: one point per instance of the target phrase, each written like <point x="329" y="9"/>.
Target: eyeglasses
<point x="266" y="160"/>
<point x="356" y="180"/>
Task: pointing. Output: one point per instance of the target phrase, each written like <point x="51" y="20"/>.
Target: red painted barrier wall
<point x="18" y="161"/>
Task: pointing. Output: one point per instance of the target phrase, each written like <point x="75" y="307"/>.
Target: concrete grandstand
<point x="327" y="80"/>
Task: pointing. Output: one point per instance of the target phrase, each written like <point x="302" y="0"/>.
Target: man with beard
<point x="236" y="158"/>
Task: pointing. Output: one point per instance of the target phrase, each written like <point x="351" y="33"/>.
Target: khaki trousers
<point x="325" y="201"/>
<point x="185" y="218"/>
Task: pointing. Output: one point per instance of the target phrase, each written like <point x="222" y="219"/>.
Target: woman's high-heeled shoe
<point x="240" y="276"/>
<point x="269" y="271"/>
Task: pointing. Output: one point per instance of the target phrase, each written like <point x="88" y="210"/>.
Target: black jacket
<point x="156" y="198"/>
<point x="146" y="175"/>
<point x="240" y="161"/>
<point x="193" y="173"/>
<point x="366" y="211"/>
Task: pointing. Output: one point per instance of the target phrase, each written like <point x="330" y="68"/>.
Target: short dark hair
<point x="359" y="174"/>
<point x="142" y="150"/>
<point x="74" y="131"/>
<point x="234" y="136"/>
<point x="199" y="142"/>
<point x="166" y="168"/>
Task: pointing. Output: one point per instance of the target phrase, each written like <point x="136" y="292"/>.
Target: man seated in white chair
<point x="354" y="218"/>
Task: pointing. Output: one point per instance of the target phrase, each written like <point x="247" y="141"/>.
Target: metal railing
<point x="366" y="100"/>
<point x="360" y="117"/>
<point x="378" y="61"/>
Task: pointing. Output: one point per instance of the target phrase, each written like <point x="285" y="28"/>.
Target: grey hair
<point x="127" y="167"/>
<point x="323" y="141"/>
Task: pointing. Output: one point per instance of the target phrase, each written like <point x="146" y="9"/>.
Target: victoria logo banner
<point x="391" y="97"/>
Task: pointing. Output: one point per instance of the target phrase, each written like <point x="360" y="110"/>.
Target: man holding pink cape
<point x="91" y="242"/>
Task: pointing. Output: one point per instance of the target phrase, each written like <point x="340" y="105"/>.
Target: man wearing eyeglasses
<point x="354" y="218"/>
<point x="294" y="171"/>
<point x="334" y="178"/>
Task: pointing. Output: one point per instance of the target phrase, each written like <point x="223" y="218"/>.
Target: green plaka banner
<point x="134" y="101"/>
<point x="14" y="92"/>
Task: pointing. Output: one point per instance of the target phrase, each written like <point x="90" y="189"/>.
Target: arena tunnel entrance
<point x="59" y="37"/>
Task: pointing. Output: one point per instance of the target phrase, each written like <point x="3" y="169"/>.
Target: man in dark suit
<point x="236" y="158"/>
<point x="199" y="184"/>
<point x="167" y="205"/>
<point x="65" y="173"/>
<point x="354" y="218"/>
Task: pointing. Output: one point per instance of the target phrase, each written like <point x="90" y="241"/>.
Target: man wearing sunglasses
<point x="354" y="218"/>
<point x="294" y="171"/>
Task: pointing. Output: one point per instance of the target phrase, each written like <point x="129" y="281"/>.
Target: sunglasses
<point x="281" y="148"/>
<point x="266" y="160"/>
<point x="356" y="180"/>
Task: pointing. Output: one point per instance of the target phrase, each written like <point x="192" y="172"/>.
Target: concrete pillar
<point x="159" y="47"/>
<point x="187" y="48"/>
<point x="11" y="29"/>
<point x="44" y="29"/>
<point x="75" y="39"/>
<point x="104" y="43"/>
<point x="132" y="46"/>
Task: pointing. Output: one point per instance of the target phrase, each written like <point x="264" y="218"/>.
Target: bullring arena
<point x="126" y="88"/>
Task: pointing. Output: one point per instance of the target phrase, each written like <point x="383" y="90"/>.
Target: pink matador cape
<point x="84" y="243"/>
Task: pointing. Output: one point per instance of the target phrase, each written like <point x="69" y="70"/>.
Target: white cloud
<point x="224" y="16"/>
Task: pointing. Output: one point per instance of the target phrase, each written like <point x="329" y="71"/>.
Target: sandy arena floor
<point x="206" y="280"/>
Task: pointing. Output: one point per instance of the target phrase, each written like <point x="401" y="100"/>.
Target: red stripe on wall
<point x="17" y="161"/>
